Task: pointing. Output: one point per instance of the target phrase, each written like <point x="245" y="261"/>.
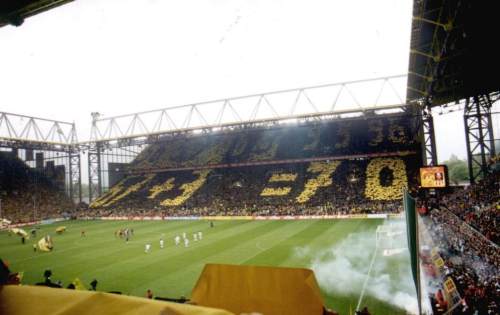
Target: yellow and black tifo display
<point x="352" y="166"/>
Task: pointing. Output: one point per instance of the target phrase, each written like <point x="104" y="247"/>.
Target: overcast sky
<point x="123" y="56"/>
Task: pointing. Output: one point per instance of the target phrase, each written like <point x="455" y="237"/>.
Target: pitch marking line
<point x="367" y="278"/>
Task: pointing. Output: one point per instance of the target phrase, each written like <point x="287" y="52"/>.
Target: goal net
<point x="391" y="238"/>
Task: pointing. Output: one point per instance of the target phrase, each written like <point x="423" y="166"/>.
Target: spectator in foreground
<point x="6" y="277"/>
<point x="48" y="282"/>
<point x="93" y="284"/>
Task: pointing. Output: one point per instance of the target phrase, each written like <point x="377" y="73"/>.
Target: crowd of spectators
<point x="205" y="211"/>
<point x="465" y="229"/>
<point x="27" y="194"/>
<point x="472" y="261"/>
<point x="259" y="190"/>
<point x="352" y="185"/>
<point x="314" y="139"/>
<point x="479" y="206"/>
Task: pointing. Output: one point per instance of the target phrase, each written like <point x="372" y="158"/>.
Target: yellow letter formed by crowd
<point x="374" y="190"/>
<point x="131" y="189"/>
<point x="324" y="179"/>
<point x="157" y="189"/>
<point x="115" y="190"/>
<point x="188" y="189"/>
<point x="279" y="191"/>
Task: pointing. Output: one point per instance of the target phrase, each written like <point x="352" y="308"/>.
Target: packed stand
<point x="465" y="229"/>
<point x="27" y="194"/>
<point x="264" y="171"/>
<point x="377" y="134"/>
<point x="479" y="206"/>
<point x="317" y="188"/>
<point x="312" y="188"/>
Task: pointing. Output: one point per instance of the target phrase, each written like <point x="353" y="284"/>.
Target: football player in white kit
<point x="161" y="242"/>
<point x="186" y="242"/>
<point x="184" y="235"/>
<point x="195" y="237"/>
<point x="200" y="235"/>
<point x="177" y="240"/>
<point x="147" y="248"/>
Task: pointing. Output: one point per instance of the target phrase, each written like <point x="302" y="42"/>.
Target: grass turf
<point x="173" y="271"/>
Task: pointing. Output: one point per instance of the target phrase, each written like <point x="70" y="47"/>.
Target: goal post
<point x="391" y="236"/>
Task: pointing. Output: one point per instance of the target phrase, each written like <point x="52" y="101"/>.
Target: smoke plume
<point x="342" y="269"/>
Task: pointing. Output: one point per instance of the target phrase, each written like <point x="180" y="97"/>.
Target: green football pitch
<point x="173" y="271"/>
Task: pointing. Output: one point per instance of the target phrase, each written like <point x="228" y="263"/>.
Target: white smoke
<point x="342" y="269"/>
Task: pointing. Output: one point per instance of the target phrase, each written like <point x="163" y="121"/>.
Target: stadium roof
<point x="452" y="54"/>
<point x="15" y="11"/>
<point x="342" y="99"/>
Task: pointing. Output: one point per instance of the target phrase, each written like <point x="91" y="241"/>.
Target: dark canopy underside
<point x="452" y="50"/>
<point x="15" y="11"/>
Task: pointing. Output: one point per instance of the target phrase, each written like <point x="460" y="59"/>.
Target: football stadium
<point x="323" y="199"/>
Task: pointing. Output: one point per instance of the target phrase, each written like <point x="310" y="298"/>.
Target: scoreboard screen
<point x="433" y="176"/>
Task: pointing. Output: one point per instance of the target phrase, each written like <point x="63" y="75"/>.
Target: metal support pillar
<point x="429" y="141"/>
<point x="75" y="175"/>
<point x="95" y="183"/>
<point x="478" y="135"/>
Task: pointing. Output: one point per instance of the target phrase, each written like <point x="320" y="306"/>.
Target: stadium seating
<point x="379" y="134"/>
<point x="24" y="189"/>
<point x="465" y="225"/>
<point x="343" y="166"/>
<point x="479" y="206"/>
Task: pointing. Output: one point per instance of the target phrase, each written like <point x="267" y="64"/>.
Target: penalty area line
<point x="367" y="278"/>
